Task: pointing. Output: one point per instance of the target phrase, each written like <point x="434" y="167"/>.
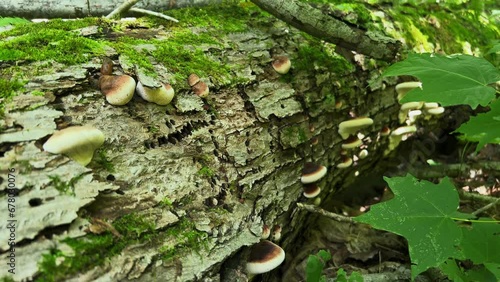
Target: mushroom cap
<point x="404" y="130"/>
<point x="431" y="105"/>
<point x="385" y="131"/>
<point x="264" y="256"/>
<point x="349" y="127"/>
<point x="363" y="154"/>
<point x="405" y="87"/>
<point x="411" y="106"/>
<point x="346" y="162"/>
<point x="162" y="95"/>
<point x="200" y="89"/>
<point x="312" y="172"/>
<point x="435" y="111"/>
<point x="352" y="142"/>
<point x="119" y="89"/>
<point x="281" y="64"/>
<point x="77" y="142"/>
<point x="266" y="232"/>
<point x="193" y="79"/>
<point x="311" y="190"/>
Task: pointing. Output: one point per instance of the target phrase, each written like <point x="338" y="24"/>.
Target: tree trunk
<point x="70" y="9"/>
<point x="180" y="191"/>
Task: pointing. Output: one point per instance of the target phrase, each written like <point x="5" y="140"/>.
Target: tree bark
<point x="256" y="145"/>
<point x="316" y="22"/>
<point x="207" y="178"/>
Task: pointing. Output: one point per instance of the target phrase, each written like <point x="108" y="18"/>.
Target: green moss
<point x="93" y="250"/>
<point x="229" y="17"/>
<point x="186" y="238"/>
<point x="63" y="186"/>
<point x="322" y="56"/>
<point x="296" y="132"/>
<point x="59" y="24"/>
<point x="8" y="89"/>
<point x="153" y="129"/>
<point x="166" y="203"/>
<point x="133" y="226"/>
<point x="206" y="172"/>
<point x="125" y="46"/>
<point x="183" y="62"/>
<point x="37" y="93"/>
<point x="43" y="44"/>
<point x="101" y="159"/>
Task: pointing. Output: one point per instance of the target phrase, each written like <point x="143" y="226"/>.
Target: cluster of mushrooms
<point x="409" y="113"/>
<point x="120" y="89"/>
<point x="80" y="142"/>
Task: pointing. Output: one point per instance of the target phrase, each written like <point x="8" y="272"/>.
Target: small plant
<point x="315" y="265"/>
<point x="354" y="277"/>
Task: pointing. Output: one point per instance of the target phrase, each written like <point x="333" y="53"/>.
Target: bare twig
<point x="476" y="197"/>
<point x="452" y="170"/>
<point x="334" y="216"/>
<point x="154" y="14"/>
<point x="123" y="8"/>
<point x="488" y="206"/>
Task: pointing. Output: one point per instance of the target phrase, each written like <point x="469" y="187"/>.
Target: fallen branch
<point x="331" y="215"/>
<point x="154" y="14"/>
<point x="315" y="22"/>
<point x="123" y="8"/>
<point x="451" y="170"/>
<point x="488" y="206"/>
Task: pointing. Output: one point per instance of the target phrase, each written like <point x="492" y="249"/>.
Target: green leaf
<point x="481" y="243"/>
<point x="448" y="80"/>
<point x="315" y="265"/>
<point x="458" y="274"/>
<point x="480" y="273"/>
<point x="453" y="271"/>
<point x="483" y="128"/>
<point x="493" y="268"/>
<point x="424" y="214"/>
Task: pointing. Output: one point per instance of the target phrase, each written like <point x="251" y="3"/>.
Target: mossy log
<point x="178" y="192"/>
<point x="85" y="8"/>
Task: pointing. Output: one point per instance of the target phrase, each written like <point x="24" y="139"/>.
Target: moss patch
<point x="8" y="89"/>
<point x="186" y="238"/>
<point x="43" y="44"/>
<point x="93" y="250"/>
<point x="321" y="55"/>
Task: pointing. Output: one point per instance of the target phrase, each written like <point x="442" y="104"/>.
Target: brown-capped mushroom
<point x="264" y="257"/>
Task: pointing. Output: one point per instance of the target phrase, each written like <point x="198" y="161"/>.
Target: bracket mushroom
<point x="77" y="142"/>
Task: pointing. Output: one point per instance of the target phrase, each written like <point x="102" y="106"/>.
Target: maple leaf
<point x="448" y="80"/>
<point x="483" y="128"/>
<point x="424" y="214"/>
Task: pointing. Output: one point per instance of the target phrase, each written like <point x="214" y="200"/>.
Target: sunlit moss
<point x="42" y="44"/>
